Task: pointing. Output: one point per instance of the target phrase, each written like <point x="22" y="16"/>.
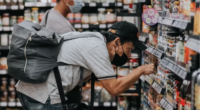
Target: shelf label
<point x="92" y="4"/>
<point x="11" y="104"/>
<point x="164" y="61"/>
<point x="3" y="7"/>
<point x="3" y="71"/>
<point x="167" y="21"/>
<point x="21" y="7"/>
<point x="85" y="26"/>
<point x="182" y="25"/>
<point x="105" y="4"/>
<point x="19" y="104"/>
<point x="114" y="104"/>
<point x="142" y="38"/>
<point x="126" y="7"/>
<point x="166" y="104"/>
<point x="174" y="68"/>
<point x="106" y="104"/>
<point x="119" y="4"/>
<point x="96" y="104"/>
<point x="3" y="104"/>
<point x="142" y="77"/>
<point x="193" y="44"/>
<point x="102" y="26"/>
<point x="182" y="73"/>
<point x="1" y="28"/>
<point x="170" y="65"/>
<point x="150" y="49"/>
<point x="14" y="7"/>
<point x="157" y="87"/>
<point x="6" y="28"/>
<point x="77" y="25"/>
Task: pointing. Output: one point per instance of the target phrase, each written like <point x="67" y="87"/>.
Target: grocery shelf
<point x="177" y="69"/>
<point x="10" y="104"/>
<point x="12" y="7"/>
<point x="182" y="24"/>
<point x="159" y="88"/>
<point x="39" y="4"/>
<point x="6" y="29"/>
<point x="91" y="26"/>
<point x="194" y="43"/>
<point x="103" y="104"/>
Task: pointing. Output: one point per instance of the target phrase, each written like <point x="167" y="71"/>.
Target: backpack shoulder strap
<point x="46" y="18"/>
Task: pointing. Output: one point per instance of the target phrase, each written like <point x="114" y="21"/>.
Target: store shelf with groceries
<point x="12" y="7"/>
<point x="91" y="4"/>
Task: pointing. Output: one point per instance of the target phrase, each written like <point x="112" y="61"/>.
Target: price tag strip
<point x="106" y="104"/>
<point x="85" y="26"/>
<point x="167" y="21"/>
<point x="149" y="49"/>
<point x="175" y="68"/>
<point x="158" y="87"/>
<point x="193" y="44"/>
<point x="165" y="104"/>
<point x="158" y="53"/>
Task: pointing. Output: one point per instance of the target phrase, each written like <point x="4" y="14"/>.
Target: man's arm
<point x="117" y="86"/>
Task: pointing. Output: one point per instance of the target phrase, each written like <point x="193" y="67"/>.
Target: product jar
<point x="93" y="19"/>
<point x="5" y="20"/>
<point x="101" y="16"/>
<point x="110" y="17"/>
<point x="85" y="19"/>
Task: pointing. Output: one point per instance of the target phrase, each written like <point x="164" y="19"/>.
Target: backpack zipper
<point x="29" y="39"/>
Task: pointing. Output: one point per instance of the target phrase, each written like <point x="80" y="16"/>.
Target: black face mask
<point x="119" y="61"/>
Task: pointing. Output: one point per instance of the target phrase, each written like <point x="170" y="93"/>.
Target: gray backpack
<point x="33" y="52"/>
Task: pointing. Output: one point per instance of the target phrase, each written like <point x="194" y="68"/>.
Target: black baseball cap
<point x="129" y="30"/>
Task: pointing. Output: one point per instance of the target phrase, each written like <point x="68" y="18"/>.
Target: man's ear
<point x="117" y="41"/>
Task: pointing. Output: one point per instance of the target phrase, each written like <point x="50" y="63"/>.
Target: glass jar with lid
<point x="110" y="16"/>
<point x="93" y="19"/>
<point x="5" y="20"/>
<point x="13" y="2"/>
<point x="85" y="19"/>
<point x="35" y="15"/>
<point x="27" y="15"/>
<point x="13" y="20"/>
<point x="127" y="2"/>
<point x="102" y="16"/>
<point x="20" y="19"/>
<point x="77" y="17"/>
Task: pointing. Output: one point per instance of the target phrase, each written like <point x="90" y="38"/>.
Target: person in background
<point x="56" y="19"/>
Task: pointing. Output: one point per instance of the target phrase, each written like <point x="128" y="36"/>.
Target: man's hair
<point x="110" y="37"/>
<point x="58" y="1"/>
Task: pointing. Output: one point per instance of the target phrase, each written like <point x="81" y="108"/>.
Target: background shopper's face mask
<point x="77" y="6"/>
<point x="119" y="60"/>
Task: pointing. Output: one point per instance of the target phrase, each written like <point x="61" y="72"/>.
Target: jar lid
<point x="109" y="10"/>
<point x="20" y="16"/>
<point x="101" y="9"/>
<point x="34" y="8"/>
<point x="14" y="17"/>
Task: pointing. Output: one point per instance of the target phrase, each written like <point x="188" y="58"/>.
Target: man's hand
<point x="148" y="69"/>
